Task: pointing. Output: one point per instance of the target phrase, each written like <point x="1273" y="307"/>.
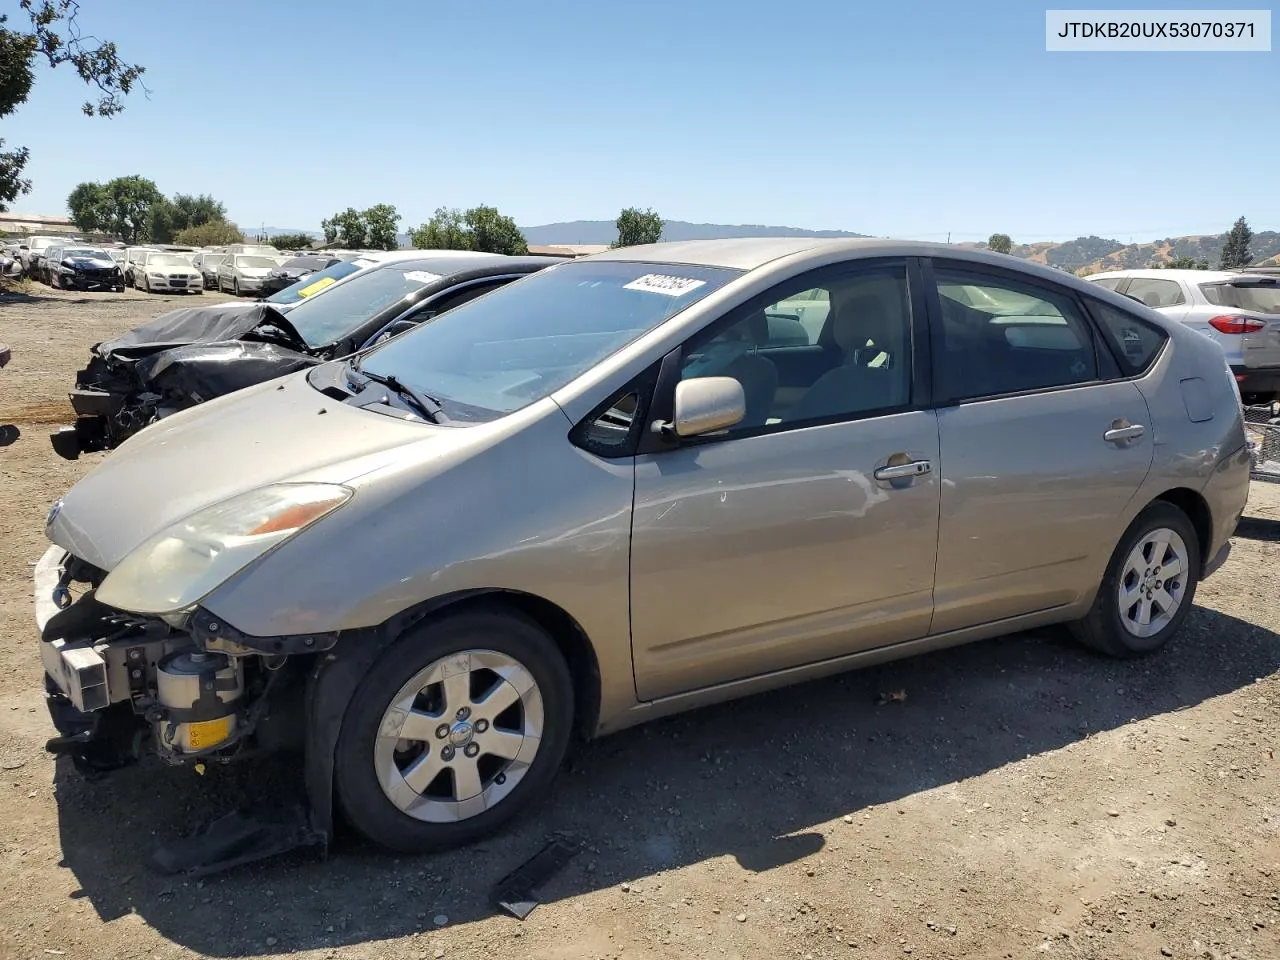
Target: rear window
<point x="1261" y="296"/>
<point x="1134" y="341"/>
<point x="1109" y="282"/>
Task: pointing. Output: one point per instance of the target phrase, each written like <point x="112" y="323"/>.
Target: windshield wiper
<point x="423" y="403"/>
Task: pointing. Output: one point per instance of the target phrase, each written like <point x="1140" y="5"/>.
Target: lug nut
<point x="471" y="749"/>
<point x="482" y="726"/>
<point x="464" y="713"/>
<point x="500" y="779"/>
<point x="446" y="753"/>
<point x="442" y="731"/>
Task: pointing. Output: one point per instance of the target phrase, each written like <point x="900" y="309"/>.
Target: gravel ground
<point x="1022" y="798"/>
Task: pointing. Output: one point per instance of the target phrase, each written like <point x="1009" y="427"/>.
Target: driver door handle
<point x="1122" y="432"/>
<point x="904" y="471"/>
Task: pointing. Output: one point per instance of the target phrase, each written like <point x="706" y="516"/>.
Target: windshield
<point x="86" y="252"/>
<point x="524" y="341"/>
<point x="316" y="282"/>
<point x="265" y="263"/>
<point x="1262" y="296"/>
<point x="329" y="318"/>
<point x="167" y="260"/>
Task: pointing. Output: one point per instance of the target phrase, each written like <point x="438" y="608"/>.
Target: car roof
<point x="428" y="262"/>
<point x="750" y="253"/>
<point x="1158" y="273"/>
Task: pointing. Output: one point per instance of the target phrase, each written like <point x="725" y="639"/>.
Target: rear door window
<point x="1000" y="336"/>
<point x="1110" y="283"/>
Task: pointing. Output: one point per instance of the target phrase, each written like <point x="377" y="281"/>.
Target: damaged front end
<point x="123" y="686"/>
<point x="176" y="361"/>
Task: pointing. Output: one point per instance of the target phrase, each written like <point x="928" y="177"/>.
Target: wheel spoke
<point x="457" y="684"/>
<point x="466" y="779"/>
<point x="419" y="726"/>
<point x="1144" y="611"/>
<point x="1128" y="597"/>
<point x="500" y="743"/>
<point x="502" y="696"/>
<point x="419" y="774"/>
<point x="1159" y="541"/>
<point x="1164" y="600"/>
<point x="1172" y="568"/>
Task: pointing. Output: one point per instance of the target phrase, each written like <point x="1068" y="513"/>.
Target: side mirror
<point x="707" y="404"/>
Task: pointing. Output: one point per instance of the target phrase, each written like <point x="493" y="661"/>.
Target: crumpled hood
<point x="91" y="263"/>
<point x="211" y="324"/>
<point x="268" y="433"/>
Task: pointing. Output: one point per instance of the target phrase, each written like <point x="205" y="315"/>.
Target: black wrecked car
<point x="188" y="356"/>
<point x="291" y="271"/>
<point x="81" y="268"/>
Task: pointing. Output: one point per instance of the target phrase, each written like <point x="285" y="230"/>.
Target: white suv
<point x="1241" y="311"/>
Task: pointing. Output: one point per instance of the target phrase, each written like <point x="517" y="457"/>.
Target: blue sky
<point x="899" y="119"/>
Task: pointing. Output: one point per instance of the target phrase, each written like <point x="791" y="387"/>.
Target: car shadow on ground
<point x="750" y="779"/>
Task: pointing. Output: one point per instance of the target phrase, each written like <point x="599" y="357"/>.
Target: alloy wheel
<point x="1153" y="582"/>
<point x="459" y="736"/>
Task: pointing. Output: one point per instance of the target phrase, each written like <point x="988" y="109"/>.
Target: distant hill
<point x="604" y="231"/>
<point x="1097" y="254"/>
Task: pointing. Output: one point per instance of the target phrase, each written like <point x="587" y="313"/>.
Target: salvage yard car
<point x="157" y="272"/>
<point x="241" y="273"/>
<point x="602" y="494"/>
<point x="81" y="268"/>
<point x="1241" y="311"/>
<point x="186" y="357"/>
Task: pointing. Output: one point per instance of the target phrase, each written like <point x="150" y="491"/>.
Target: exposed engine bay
<point x="175" y="361"/>
<point x="123" y="686"/>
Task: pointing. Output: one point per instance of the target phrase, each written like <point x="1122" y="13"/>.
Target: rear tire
<point x="479" y="754"/>
<point x="1152" y="576"/>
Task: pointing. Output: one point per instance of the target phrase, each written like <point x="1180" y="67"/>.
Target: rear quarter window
<point x="1135" y="342"/>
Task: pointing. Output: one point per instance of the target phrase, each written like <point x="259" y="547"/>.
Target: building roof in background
<point x="567" y="249"/>
<point x="12" y="222"/>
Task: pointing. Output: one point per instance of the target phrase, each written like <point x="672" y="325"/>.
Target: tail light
<point x="1234" y="324"/>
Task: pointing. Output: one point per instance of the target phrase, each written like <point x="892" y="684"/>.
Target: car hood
<point x="254" y="272"/>
<point x="284" y="430"/>
<point x="91" y="263"/>
<point x="212" y="324"/>
<point x="168" y="271"/>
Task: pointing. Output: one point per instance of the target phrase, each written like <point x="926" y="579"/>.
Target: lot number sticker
<point x="661" y="283"/>
<point x="316" y="287"/>
<point x="421" y="276"/>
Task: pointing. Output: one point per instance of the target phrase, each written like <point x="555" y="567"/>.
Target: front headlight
<point x="155" y="276"/>
<point x="183" y="563"/>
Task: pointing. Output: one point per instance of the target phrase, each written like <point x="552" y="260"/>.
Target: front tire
<point x="1148" y="588"/>
<point x="235" y="286"/>
<point x="460" y="725"/>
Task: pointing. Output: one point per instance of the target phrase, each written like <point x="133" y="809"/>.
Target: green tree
<point x="446" y="230"/>
<point x="293" y="241"/>
<point x="53" y="35"/>
<point x="636" y="226"/>
<point x="492" y="232"/>
<point x="215" y="233"/>
<point x="131" y="201"/>
<point x="160" y="222"/>
<point x="90" y="207"/>
<point x="383" y="224"/>
<point x="347" y="228"/>
<point x="1184" y="263"/>
<point x="1235" y="250"/>
<point x="194" y="211"/>
<point x="1000" y="243"/>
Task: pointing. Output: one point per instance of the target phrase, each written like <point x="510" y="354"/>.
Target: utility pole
<point x="948" y="238"/>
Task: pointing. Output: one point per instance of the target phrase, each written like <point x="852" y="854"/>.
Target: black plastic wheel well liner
<point x="1197" y="510"/>
<point x="337" y="673"/>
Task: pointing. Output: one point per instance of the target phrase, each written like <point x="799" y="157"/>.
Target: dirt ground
<point x="1026" y="798"/>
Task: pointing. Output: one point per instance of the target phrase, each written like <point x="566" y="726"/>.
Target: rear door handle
<point x="904" y="471"/>
<point x="1123" y="434"/>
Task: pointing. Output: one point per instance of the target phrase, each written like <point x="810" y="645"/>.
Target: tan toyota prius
<point x="625" y="486"/>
